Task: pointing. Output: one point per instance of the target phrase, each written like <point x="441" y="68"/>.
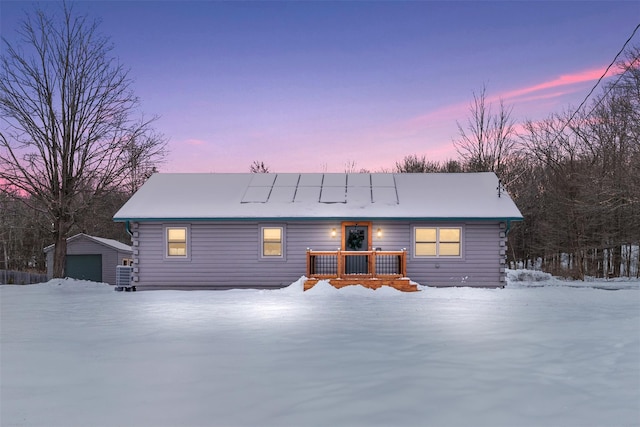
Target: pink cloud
<point x="527" y="94"/>
<point x="432" y="133"/>
<point x="443" y="113"/>
<point x="542" y="96"/>
<point x="562" y="81"/>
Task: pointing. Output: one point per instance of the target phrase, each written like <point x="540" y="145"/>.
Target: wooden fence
<point x="9" y="277"/>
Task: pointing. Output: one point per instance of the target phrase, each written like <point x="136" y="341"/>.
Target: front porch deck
<point x="371" y="269"/>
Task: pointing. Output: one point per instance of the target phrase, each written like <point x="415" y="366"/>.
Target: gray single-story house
<point x="220" y="231"/>
<point x="92" y="258"/>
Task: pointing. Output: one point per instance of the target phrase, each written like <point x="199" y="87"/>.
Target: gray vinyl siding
<point x="111" y="257"/>
<point x="481" y="263"/>
<point x="226" y="254"/>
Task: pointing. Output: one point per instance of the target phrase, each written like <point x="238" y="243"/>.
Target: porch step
<point x="403" y="285"/>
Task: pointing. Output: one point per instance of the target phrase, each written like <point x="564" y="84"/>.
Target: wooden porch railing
<point x="356" y="264"/>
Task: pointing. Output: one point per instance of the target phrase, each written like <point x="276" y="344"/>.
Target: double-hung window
<point x="438" y="241"/>
<point x="272" y="242"/>
<point x="176" y="238"/>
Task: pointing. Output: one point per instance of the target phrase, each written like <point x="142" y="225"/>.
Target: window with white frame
<point x="437" y="241"/>
<point x="176" y="242"/>
<point x="271" y="238"/>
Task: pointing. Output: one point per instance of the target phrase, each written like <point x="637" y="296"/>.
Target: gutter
<point x="328" y="218"/>
<point x="506" y="231"/>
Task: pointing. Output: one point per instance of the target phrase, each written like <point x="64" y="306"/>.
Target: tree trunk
<point x="60" y="256"/>
<point x="60" y="233"/>
<point x="617" y="260"/>
<point x="626" y="261"/>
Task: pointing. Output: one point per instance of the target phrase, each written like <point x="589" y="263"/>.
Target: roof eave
<point x="314" y="218"/>
<point x="93" y="239"/>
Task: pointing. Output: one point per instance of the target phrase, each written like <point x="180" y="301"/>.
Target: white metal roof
<point x="316" y="195"/>
<point x="114" y="244"/>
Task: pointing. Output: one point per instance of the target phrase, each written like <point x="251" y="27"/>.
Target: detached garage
<point x="91" y="258"/>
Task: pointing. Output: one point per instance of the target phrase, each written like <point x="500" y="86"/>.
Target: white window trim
<point x="437" y="255"/>
<point x="283" y="247"/>
<point x="187" y="256"/>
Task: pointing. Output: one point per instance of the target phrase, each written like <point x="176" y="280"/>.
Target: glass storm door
<point x="357" y="237"/>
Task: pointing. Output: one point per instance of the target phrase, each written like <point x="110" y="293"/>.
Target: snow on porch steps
<point x="403" y="284"/>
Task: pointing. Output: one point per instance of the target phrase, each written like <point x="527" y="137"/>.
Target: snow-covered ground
<point x="541" y="352"/>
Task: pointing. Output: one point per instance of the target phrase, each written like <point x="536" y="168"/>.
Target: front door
<point x="357" y="238"/>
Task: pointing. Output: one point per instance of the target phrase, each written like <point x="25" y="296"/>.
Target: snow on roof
<point x="101" y="240"/>
<point x="113" y="243"/>
<point x="317" y="195"/>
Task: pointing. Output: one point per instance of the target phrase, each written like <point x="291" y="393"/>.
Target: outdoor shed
<point x="219" y="231"/>
<point x="91" y="258"/>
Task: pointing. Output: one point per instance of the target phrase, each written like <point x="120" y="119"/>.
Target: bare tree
<point x="414" y="164"/>
<point x="141" y="165"/>
<point x="259" y="167"/>
<point x="488" y="138"/>
<point x="69" y="131"/>
<point x="451" y="166"/>
<point x="24" y="232"/>
<point x="576" y="181"/>
<point x="351" y="166"/>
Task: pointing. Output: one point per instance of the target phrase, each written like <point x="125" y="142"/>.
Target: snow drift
<point x="535" y="353"/>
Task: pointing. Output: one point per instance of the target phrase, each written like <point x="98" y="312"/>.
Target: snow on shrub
<point x="528" y="276"/>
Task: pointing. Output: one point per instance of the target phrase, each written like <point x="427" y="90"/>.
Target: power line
<point x="577" y="110"/>
<point x="613" y="85"/>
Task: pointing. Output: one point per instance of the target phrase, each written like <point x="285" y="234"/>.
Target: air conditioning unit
<point x="123" y="278"/>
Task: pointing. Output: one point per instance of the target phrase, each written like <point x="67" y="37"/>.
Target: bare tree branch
<point x="258" y="167"/>
<point x="488" y="139"/>
<point x="69" y="133"/>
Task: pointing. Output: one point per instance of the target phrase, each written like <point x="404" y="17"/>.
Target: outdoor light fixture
<point x="379" y="232"/>
<point x="333" y="232"/>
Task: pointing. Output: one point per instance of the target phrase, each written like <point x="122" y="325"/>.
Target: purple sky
<point x="312" y="86"/>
